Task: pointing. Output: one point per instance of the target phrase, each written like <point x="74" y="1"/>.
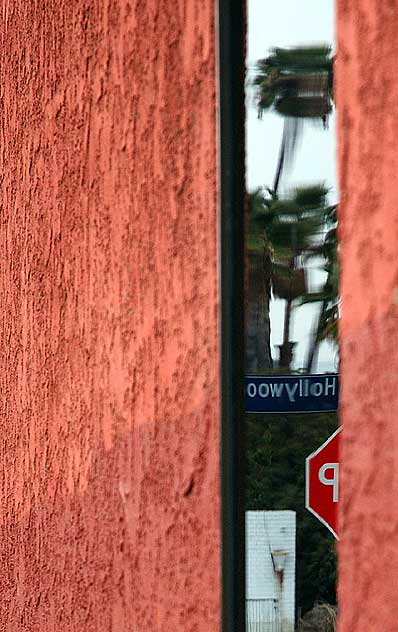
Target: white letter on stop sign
<point x="330" y="480"/>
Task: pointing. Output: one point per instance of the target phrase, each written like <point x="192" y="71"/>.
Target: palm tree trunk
<point x="313" y="351"/>
<point x="281" y="159"/>
<point x="286" y="348"/>
<point x="288" y="145"/>
<point x="258" y="328"/>
<point x="258" y="324"/>
<point x="258" y="350"/>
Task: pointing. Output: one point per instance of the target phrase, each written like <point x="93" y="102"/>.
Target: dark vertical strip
<point x="232" y="179"/>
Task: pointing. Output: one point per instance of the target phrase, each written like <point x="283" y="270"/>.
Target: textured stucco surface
<point x="367" y="93"/>
<point x="109" y="504"/>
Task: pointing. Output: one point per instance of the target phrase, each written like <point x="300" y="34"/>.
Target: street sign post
<point x="322" y="482"/>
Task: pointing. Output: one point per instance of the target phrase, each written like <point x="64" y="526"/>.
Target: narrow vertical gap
<point x="231" y="24"/>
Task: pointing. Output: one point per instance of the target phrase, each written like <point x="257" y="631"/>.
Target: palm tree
<point x="259" y="256"/>
<point x="297" y="83"/>
<point x="282" y="232"/>
<point x="328" y="295"/>
<point x="297" y="222"/>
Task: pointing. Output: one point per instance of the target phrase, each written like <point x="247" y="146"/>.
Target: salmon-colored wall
<point x="367" y="94"/>
<point x="109" y="496"/>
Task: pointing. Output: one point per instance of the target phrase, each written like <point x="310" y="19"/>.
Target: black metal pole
<point x="232" y="25"/>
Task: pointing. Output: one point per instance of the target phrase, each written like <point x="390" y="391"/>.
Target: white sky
<point x="290" y="23"/>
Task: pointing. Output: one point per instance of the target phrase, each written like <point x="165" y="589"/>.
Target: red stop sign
<point x="322" y="482"/>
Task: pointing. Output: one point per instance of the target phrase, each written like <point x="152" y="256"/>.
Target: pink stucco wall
<point x="109" y="493"/>
<point x="367" y="94"/>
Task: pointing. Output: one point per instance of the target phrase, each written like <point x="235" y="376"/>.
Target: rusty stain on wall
<point x="109" y="298"/>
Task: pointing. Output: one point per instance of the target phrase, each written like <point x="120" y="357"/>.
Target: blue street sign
<point x="291" y="393"/>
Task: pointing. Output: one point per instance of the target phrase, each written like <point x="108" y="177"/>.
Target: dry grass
<point x="322" y="618"/>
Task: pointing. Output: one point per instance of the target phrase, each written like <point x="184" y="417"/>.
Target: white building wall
<point x="268" y="531"/>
